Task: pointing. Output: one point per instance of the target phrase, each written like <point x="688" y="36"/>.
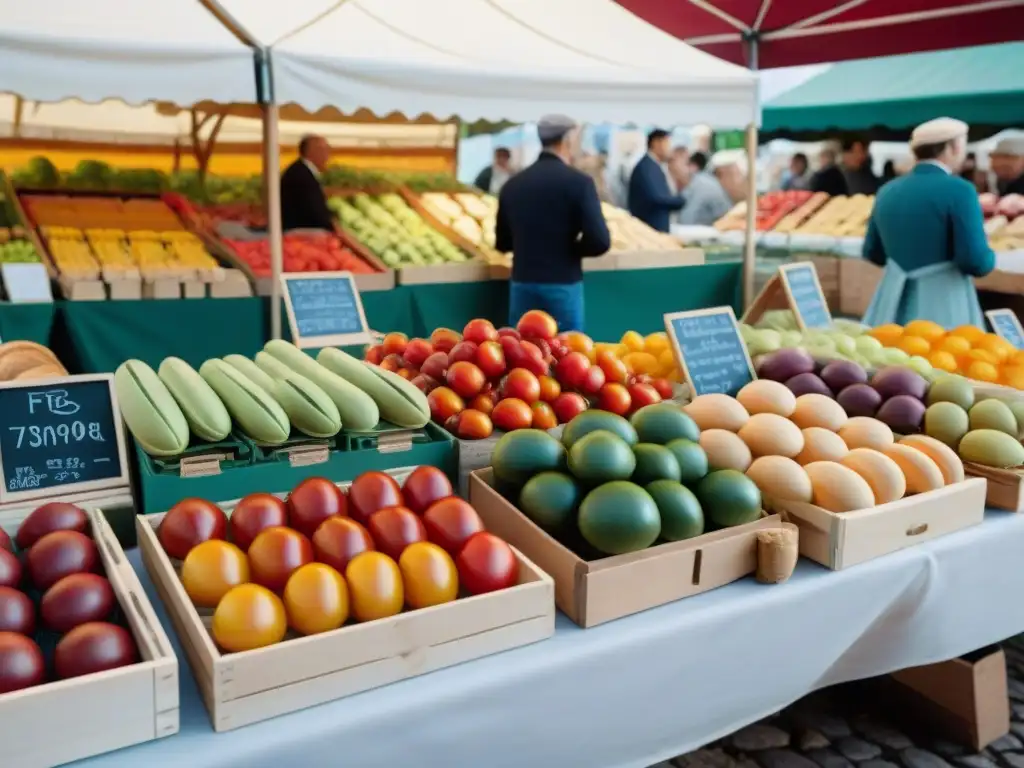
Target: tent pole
<point x="750" y="241"/>
<point x="272" y="194"/>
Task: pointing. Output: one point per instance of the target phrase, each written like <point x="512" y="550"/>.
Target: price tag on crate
<point x="710" y="351"/>
<point x="806" y="299"/>
<point x="60" y="436"/>
<point x="324" y="309"/>
<point x="1006" y="324"/>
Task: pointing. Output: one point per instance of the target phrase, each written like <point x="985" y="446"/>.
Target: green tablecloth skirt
<point x="93" y="337"/>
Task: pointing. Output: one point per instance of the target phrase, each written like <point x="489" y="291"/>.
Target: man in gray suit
<point x="706" y="200"/>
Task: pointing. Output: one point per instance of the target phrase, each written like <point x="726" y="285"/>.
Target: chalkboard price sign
<point x="1007" y="325"/>
<point x="805" y="296"/>
<point x="710" y="351"/>
<point x="324" y="309"/>
<point x="60" y="436"/>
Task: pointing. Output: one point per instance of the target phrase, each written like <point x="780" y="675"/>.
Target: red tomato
<point x="663" y="387"/>
<point x="392" y="363"/>
<point x="643" y="394"/>
<point x="276" y="554"/>
<point x="486" y="564"/>
<point x="425" y="486"/>
<point x="506" y="331"/>
<point x="466" y="379"/>
<point x="372" y="491"/>
<point x="615" y="398"/>
<point x="532" y="359"/>
<point x="338" y="540"/>
<point x="484" y="402"/>
<point x="512" y="413"/>
<point x="254" y="514"/>
<point x="568" y="406"/>
<point x="572" y="369"/>
<point x="522" y="385"/>
<point x="417" y="351"/>
<point x="395" y="343"/>
<point x="537" y="323"/>
<point x="444" y="339"/>
<point x="312" y="501"/>
<point x="549" y="388"/>
<point x="435" y="366"/>
<point x="543" y="416"/>
<point x="444" y="404"/>
<point x="428" y="575"/>
<point x="450" y="522"/>
<point x="406" y="373"/>
<point x="542" y="345"/>
<point x="479" y="331"/>
<point x="470" y="424"/>
<point x="593" y="380"/>
<point x="614" y="369"/>
<point x="395" y="528"/>
<point x="490" y="358"/>
<point x="190" y="522"/>
<point x="463" y="352"/>
<point x="425" y="384"/>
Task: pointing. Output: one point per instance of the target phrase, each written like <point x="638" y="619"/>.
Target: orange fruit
<point x="656" y="342"/>
<point x="979" y="354"/>
<point x="666" y="361"/>
<point x="970" y="332"/>
<point x="641" y="362"/>
<point x="1017" y="358"/>
<point x="633" y="341"/>
<point x="1012" y="376"/>
<point x="913" y="345"/>
<point x="579" y="342"/>
<point x="982" y="371"/>
<point x="887" y="334"/>
<point x="955" y="344"/>
<point x="926" y="329"/>
<point x="997" y="345"/>
<point x="944" y="361"/>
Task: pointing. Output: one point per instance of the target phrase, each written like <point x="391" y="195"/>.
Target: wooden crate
<point x="839" y="540"/>
<point x="97" y="713"/>
<point x="1005" y="489"/>
<point x="591" y="593"/>
<point x="248" y="687"/>
<point x="682" y="257"/>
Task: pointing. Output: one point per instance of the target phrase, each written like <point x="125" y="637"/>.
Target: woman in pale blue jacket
<point x="927" y="231"/>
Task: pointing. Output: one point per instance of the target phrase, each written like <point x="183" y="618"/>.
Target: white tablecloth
<point x="645" y="688"/>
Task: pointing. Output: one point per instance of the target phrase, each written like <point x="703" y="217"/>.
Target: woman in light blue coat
<point x="927" y="231"/>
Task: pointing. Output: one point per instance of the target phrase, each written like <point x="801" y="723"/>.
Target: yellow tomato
<point x="887" y="334"/>
<point x="997" y="345"/>
<point x="428" y="574"/>
<point x="633" y="341"/>
<point x="316" y="599"/>
<point x="1017" y="358"/>
<point x="211" y="569"/>
<point x="926" y="329"/>
<point x="249" y="616"/>
<point x="913" y="345"/>
<point x="970" y="332"/>
<point x="944" y="361"/>
<point x="1012" y="376"/>
<point x="666" y="361"/>
<point x="982" y="371"/>
<point x="982" y="355"/>
<point x="957" y="345"/>
<point x="579" y="342"/>
<point x="656" y="342"/>
<point x="641" y="362"/>
<point x="374" y="586"/>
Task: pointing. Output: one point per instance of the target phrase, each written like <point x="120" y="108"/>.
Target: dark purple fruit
<point x="76" y="599"/>
<point x="21" y="662"/>
<point x="55" y="516"/>
<point x="10" y="569"/>
<point x="17" y="613"/>
<point x="60" y="554"/>
<point x="5" y="541"/>
<point x="93" y="647"/>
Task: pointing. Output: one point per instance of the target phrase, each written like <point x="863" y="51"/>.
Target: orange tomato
<point x="428" y="575"/>
<point x="979" y="355"/>
<point x="615" y="398"/>
<point x="954" y="344"/>
<point x="1012" y="376"/>
<point x="316" y="599"/>
<point x="549" y="388"/>
<point x="944" y="361"/>
<point x="543" y="416"/>
<point x="913" y="345"/>
<point x="970" y="332"/>
<point x="633" y="341"/>
<point x="211" y="569"/>
<point x="374" y="586"/>
<point x="512" y="413"/>
<point x="925" y="329"/>
<point x="470" y="424"/>
<point x="615" y="370"/>
<point x="887" y="334"/>
<point x="982" y="371"/>
<point x="249" y="616"/>
<point x="641" y="362"/>
<point x="997" y="345"/>
<point x="579" y="342"/>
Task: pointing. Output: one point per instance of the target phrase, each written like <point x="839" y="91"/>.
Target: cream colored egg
<point x="768" y="434"/>
<point x="814" y="410"/>
<point x="725" y="450"/>
<point x="821" y="445"/>
<point x="838" y="488"/>
<point x="884" y="475"/>
<point x="781" y="478"/>
<point x="717" y="411"/>
<point x="865" y="432"/>
<point x="945" y="458"/>
<point x="922" y="473"/>
<point x="764" y="396"/>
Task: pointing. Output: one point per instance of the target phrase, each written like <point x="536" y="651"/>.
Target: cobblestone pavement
<point x="845" y="728"/>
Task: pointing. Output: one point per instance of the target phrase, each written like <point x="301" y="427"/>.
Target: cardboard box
<point x="248" y="687"/>
<point x="839" y="540"/>
<point x="98" y="713"/>
<point x="966" y="697"/>
<point x="858" y="280"/>
<point x="593" y="592"/>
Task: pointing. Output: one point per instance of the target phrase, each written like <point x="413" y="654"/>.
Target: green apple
<point x="867" y="344"/>
<point x="920" y="364"/>
<point x="895" y="356"/>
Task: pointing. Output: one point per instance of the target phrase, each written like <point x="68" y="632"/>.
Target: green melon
<point x="654" y="462"/>
<point x="594" y="420"/>
<point x="521" y="454"/>
<point x="681" y="515"/>
<point x="993" y="414"/>
<point x="693" y="462"/>
<point x="728" y="497"/>
<point x="601" y="457"/>
<point x="550" y="499"/>
<point x="619" y="517"/>
<point x="662" y="423"/>
<point x="951" y="389"/>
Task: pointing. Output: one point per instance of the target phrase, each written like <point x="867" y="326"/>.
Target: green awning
<point x="885" y="98"/>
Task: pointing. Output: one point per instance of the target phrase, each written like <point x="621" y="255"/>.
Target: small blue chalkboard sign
<point x="805" y="296"/>
<point x="1006" y="324"/>
<point x="324" y="309"/>
<point x="710" y="351"/>
<point x="60" y="436"/>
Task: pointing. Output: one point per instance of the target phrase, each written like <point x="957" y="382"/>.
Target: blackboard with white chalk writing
<point x="324" y="309"/>
<point x="710" y="351"/>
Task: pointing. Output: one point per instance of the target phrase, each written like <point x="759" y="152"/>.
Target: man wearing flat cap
<point x="927" y="231"/>
<point x="550" y="216"/>
<point x="1008" y="166"/>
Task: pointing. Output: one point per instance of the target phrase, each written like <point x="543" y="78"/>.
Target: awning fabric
<point x="795" y="32"/>
<point x="885" y="98"/>
<point x="494" y="60"/>
<point x="132" y="50"/>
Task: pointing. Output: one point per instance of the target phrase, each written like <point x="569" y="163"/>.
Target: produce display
<point x="841" y="216"/>
<point x="282" y="391"/>
<point x="1006" y="234"/>
<point x="25" y="360"/>
<point x="471" y="215"/>
<point x="306" y="252"/>
<point x="630" y="234"/>
<point x="393" y="231"/>
<point x="326" y="556"/>
<point x="516" y="378"/>
<point x="772" y="208"/>
<point x="58" y="613"/>
<point x="14" y="248"/>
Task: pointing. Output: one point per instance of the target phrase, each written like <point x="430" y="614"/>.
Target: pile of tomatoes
<point x="324" y="555"/>
<point x="514" y="378"/>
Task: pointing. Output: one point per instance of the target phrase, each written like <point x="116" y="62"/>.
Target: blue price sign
<point x="1006" y="324"/>
<point x="805" y="297"/>
<point x="324" y="309"/>
<point x="60" y="436"/>
<point x="710" y="351"/>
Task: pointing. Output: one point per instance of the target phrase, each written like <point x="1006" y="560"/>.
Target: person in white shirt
<point x="706" y="200"/>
